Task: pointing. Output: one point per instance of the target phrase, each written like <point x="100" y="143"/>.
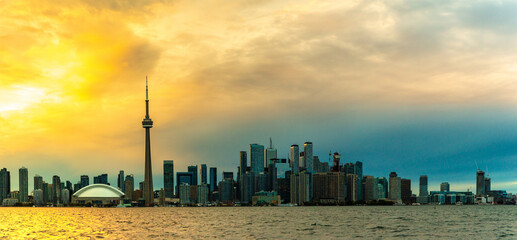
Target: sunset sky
<point x="416" y="87"/>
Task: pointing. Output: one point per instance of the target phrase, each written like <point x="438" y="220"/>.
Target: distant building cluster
<point x="261" y="179"/>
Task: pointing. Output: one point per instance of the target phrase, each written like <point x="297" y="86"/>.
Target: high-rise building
<point x="213" y="179"/>
<point x="371" y="188"/>
<point x="168" y="178"/>
<point x="5" y="184"/>
<point x="480" y="183"/>
<point x="120" y="181"/>
<point x="359" y="171"/>
<point x="300" y="188"/>
<point x="85" y="181"/>
<point x="77" y="186"/>
<point x="405" y="191"/>
<point x="243" y="156"/>
<point x="301" y="162"/>
<point x="383" y="185"/>
<point x="129" y="187"/>
<point x="487" y="184"/>
<point x="445" y="187"/>
<point x="184" y="193"/>
<point x="308" y="157"/>
<point x="46" y="193"/>
<point x="337" y="158"/>
<point x="65" y="197"/>
<point x="202" y="193"/>
<point x="204" y="174"/>
<point x="147" y="123"/>
<point x="270" y="153"/>
<point x="184" y="177"/>
<point x="294" y="157"/>
<point x="38" y="197"/>
<point x="423" y="186"/>
<point x="101" y="179"/>
<point x="257" y="158"/>
<point x="193" y="170"/>
<point x="395" y="188"/>
<point x="23" y="184"/>
<point x="56" y="189"/>
<point x="38" y="182"/>
<point x="352" y="184"/>
<point x="247" y="187"/>
<point x="329" y="187"/>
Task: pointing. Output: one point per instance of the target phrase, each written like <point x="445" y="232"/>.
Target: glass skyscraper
<point x="257" y="158"/>
<point x="168" y="178"/>
<point x="5" y="183"/>
<point x="294" y="155"/>
<point x="85" y="181"/>
<point x="203" y="174"/>
<point x="213" y="179"/>
<point x="193" y="170"/>
<point x="24" y="184"/>
<point x="120" y="181"/>
<point x="423" y="186"/>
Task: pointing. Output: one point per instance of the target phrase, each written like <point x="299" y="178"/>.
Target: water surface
<point x="365" y="222"/>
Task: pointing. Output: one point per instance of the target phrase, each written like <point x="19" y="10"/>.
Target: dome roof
<point x="98" y="191"/>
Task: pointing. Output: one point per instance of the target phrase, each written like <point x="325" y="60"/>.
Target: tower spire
<point x="146" y="89"/>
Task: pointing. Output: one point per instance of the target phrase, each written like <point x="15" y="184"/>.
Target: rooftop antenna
<point x="476" y="164"/>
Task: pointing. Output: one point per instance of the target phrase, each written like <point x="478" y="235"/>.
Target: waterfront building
<point x="352" y="184"/>
<point x="168" y="178"/>
<point x="423" y="186"/>
<point x="65" y="197"/>
<point x="370" y="188"/>
<point x="480" y="183"/>
<point x="248" y="187"/>
<point x="184" y="193"/>
<point x="85" y="181"/>
<point x="204" y="174"/>
<point x="451" y="197"/>
<point x="202" y="193"/>
<point x="46" y="193"/>
<point x="405" y="191"/>
<point x="294" y="158"/>
<point x="129" y="188"/>
<point x="308" y="156"/>
<point x="193" y="170"/>
<point x="23" y="183"/>
<point x="257" y="158"/>
<point x="56" y="189"/>
<point x="445" y="187"/>
<point x="329" y="188"/>
<point x="99" y="194"/>
<point x="395" y="188"/>
<point x="213" y="179"/>
<point x="38" y="197"/>
<point x="5" y="184"/>
<point x="284" y="187"/>
<point x="384" y="187"/>
<point x="147" y="123"/>
<point x="300" y="188"/>
<point x="270" y="153"/>
<point x="226" y="191"/>
<point x="266" y="198"/>
<point x="120" y="181"/>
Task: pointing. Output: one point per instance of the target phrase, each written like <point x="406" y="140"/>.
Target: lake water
<point x="364" y="222"/>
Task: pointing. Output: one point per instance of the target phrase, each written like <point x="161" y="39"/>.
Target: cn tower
<point x="147" y="123"/>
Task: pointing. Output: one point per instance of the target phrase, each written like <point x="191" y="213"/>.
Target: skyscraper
<point x="270" y="153"/>
<point x="56" y="189"/>
<point x="38" y="182"/>
<point x="257" y="158"/>
<point x="204" y="174"/>
<point x="423" y="186"/>
<point x="193" y="170"/>
<point x="85" y="181"/>
<point x="5" y="184"/>
<point x="445" y="187"/>
<point x="147" y="123"/>
<point x="394" y="188"/>
<point x="371" y="187"/>
<point x="120" y="181"/>
<point x="405" y="191"/>
<point x="480" y="183"/>
<point x="383" y="185"/>
<point x="295" y="155"/>
<point x="24" y="184"/>
<point x="243" y="162"/>
<point x="308" y="157"/>
<point x="487" y="184"/>
<point x="213" y="179"/>
<point x="359" y="171"/>
<point x="337" y="165"/>
<point x="168" y="178"/>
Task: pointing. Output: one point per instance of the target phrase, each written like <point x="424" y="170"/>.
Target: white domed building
<point x="99" y="194"/>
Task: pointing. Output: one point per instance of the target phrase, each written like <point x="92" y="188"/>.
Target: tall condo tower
<point x="147" y="123"/>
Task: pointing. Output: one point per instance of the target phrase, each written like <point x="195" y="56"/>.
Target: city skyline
<point x="403" y="87"/>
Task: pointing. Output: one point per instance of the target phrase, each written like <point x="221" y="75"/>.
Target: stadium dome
<point x="98" y="192"/>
